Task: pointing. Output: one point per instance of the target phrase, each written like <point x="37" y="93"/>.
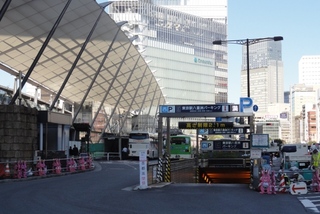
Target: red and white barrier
<point x="282" y="185"/>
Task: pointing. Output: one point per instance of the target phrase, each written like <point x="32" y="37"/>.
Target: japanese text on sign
<point x="204" y="125"/>
<point x="230" y="145"/>
<point x="173" y="109"/>
<point x="203" y="108"/>
<point x="235" y="130"/>
<point x="143" y="170"/>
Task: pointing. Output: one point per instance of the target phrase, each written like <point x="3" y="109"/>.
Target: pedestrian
<point x="124" y="153"/>
<point x="315" y="159"/>
<point x="75" y="150"/>
<point x="70" y="151"/>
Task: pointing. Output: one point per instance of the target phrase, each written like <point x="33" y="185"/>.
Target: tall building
<point x="287" y="97"/>
<point x="275" y="121"/>
<point x="309" y="70"/>
<point x="177" y="45"/>
<point x="309" y="124"/>
<point x="211" y="9"/>
<point x="300" y="95"/>
<point x="266" y="73"/>
<point x="309" y="75"/>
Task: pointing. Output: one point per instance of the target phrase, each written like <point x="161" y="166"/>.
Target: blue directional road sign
<point x="255" y="108"/>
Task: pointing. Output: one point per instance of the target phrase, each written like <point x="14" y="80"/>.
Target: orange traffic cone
<point x="7" y="171"/>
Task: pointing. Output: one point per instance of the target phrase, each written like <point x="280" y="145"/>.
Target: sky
<point x="298" y="22"/>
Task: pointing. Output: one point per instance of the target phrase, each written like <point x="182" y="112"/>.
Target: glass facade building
<point x="178" y="48"/>
<point x="266" y="73"/>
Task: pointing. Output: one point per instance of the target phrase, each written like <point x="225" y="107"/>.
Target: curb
<point x="157" y="185"/>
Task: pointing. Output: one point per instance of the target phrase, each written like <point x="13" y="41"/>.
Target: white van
<point x="295" y="155"/>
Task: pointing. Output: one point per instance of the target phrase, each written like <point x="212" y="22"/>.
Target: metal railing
<point x="106" y="155"/>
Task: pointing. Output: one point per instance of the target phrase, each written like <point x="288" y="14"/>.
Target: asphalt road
<point x="112" y="188"/>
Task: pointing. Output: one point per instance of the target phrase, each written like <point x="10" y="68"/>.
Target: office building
<point x="309" y="124"/>
<point x="215" y="10"/>
<point x="309" y="75"/>
<point x="266" y="73"/>
<point x="275" y="121"/>
<point x="287" y="97"/>
<point x="309" y="70"/>
<point x="301" y="95"/>
<point x="177" y="45"/>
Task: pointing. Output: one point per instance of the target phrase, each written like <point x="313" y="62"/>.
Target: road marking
<point x="310" y="203"/>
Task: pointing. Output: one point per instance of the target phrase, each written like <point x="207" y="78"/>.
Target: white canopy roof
<point x="124" y="76"/>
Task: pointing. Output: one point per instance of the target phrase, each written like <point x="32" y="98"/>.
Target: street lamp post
<point x="247" y="42"/>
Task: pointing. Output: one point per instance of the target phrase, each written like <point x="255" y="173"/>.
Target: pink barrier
<point x="56" y="166"/>
<point x="41" y="168"/>
<point x="20" y="169"/>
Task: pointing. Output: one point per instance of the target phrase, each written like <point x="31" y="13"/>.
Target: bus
<point x="143" y="141"/>
<point x="182" y="146"/>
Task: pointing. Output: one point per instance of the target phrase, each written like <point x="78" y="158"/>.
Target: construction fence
<point x="42" y="167"/>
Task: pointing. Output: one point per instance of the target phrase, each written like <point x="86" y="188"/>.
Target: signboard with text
<point x="210" y="145"/>
<point x="235" y="130"/>
<point x="231" y="145"/>
<point x="204" y="125"/>
<point x="143" y="170"/>
<point x="199" y="108"/>
<point x="260" y="140"/>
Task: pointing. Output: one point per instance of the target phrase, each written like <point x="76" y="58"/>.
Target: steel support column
<point x="4" y="9"/>
<point x="107" y="93"/>
<point x="105" y="97"/>
<point x="43" y="47"/>
<point x="94" y="79"/>
<point x="66" y="79"/>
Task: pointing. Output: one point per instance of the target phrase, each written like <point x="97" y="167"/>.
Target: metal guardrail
<point x="106" y="155"/>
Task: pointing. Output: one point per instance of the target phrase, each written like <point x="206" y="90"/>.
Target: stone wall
<point x="18" y="133"/>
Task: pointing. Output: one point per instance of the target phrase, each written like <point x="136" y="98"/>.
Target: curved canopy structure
<point x="77" y="52"/>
